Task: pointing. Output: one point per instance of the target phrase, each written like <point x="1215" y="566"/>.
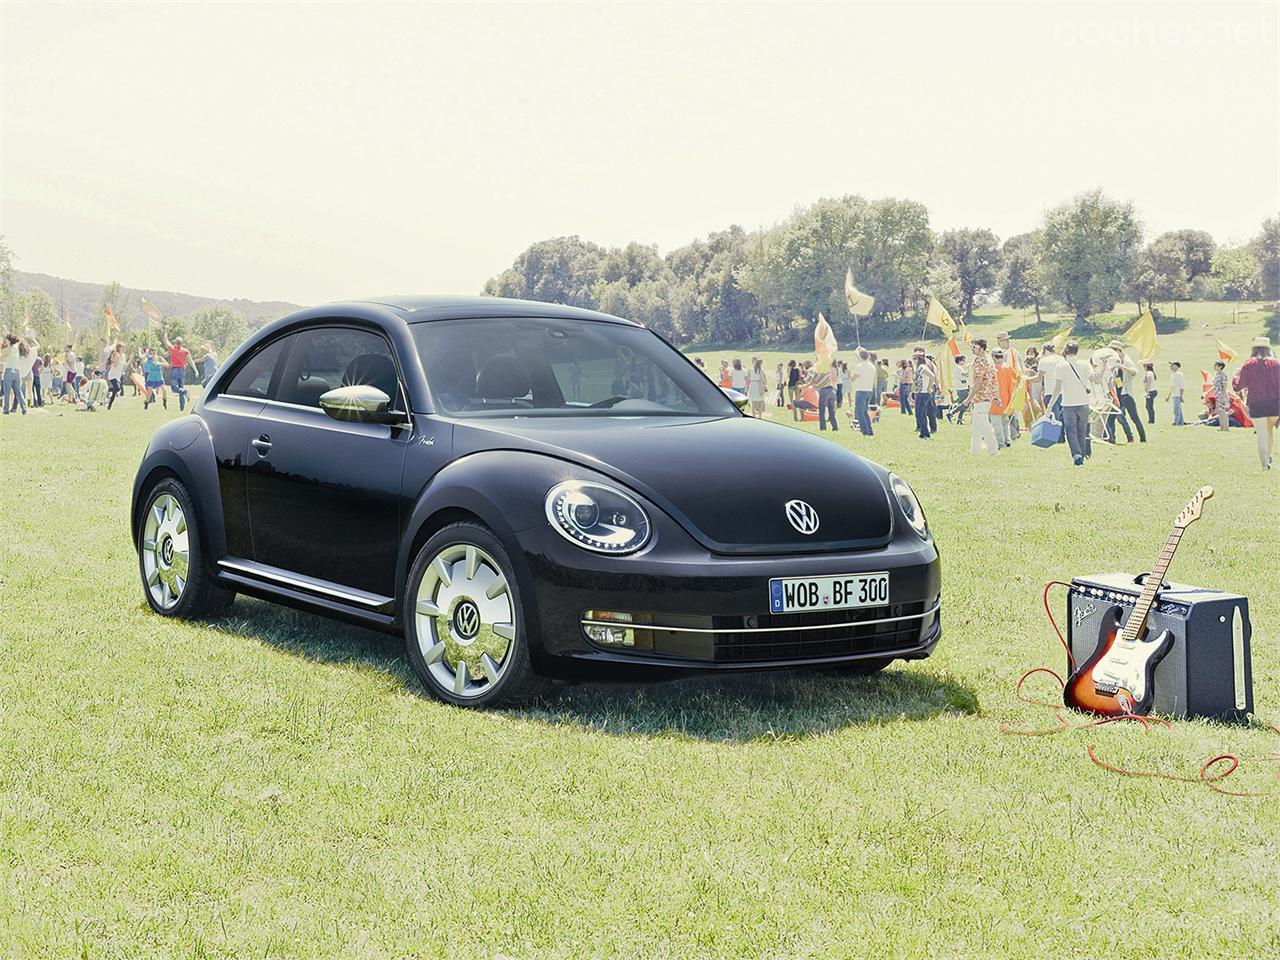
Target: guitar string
<point x="1210" y="775"/>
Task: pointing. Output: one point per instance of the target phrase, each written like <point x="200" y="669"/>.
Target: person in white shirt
<point x="69" y="373"/>
<point x="1149" y="388"/>
<point x="18" y="360"/>
<point x="1071" y="388"/>
<point x="960" y="374"/>
<point x="1177" y="386"/>
<point x="864" y="385"/>
<point x="115" y="374"/>
<point x="46" y="378"/>
<point x="1126" y="379"/>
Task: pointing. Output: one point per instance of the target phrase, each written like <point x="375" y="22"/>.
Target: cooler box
<point x="1045" y="432"/>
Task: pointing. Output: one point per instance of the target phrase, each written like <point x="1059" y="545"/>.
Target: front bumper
<point x="699" y="612"/>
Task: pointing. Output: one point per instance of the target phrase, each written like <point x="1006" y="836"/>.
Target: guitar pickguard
<point x="1118" y="678"/>
<point x="1124" y="667"/>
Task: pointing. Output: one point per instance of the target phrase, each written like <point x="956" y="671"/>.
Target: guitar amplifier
<point x="1207" y="671"/>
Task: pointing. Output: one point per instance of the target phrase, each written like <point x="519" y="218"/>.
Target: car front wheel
<point x="174" y="580"/>
<point x="464" y="624"/>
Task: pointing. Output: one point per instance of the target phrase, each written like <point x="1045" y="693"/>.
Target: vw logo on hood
<point x="802" y="516"/>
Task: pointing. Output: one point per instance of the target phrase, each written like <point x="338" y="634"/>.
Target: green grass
<point x="274" y="784"/>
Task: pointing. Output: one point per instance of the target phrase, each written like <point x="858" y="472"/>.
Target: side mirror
<point x="736" y="397"/>
<point x="360" y="403"/>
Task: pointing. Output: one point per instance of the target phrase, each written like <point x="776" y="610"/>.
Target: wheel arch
<point x="186" y="456"/>
<point x="503" y="491"/>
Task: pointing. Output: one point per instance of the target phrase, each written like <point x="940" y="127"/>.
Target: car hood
<point x="726" y="480"/>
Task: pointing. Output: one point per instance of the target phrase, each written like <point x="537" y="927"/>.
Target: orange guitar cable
<point x="1212" y="772"/>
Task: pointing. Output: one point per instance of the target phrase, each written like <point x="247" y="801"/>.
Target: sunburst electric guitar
<point x="1119" y="678"/>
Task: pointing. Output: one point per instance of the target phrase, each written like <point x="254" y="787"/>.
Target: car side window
<point x="253" y="379"/>
<point x="325" y="358"/>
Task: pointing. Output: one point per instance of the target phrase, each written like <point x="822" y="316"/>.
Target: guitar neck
<point x="1138" y="619"/>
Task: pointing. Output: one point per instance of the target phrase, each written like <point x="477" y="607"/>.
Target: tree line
<point x="738" y="286"/>
<point x="34" y="314"/>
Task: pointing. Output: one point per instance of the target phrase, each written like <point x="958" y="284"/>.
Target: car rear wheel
<point x="170" y="559"/>
<point x="464" y="624"/>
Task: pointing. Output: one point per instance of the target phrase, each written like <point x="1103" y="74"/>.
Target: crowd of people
<point x="1006" y="392"/>
<point x="33" y="378"/>
<point x="1074" y="400"/>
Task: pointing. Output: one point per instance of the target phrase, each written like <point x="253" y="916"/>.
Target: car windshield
<point x="514" y="367"/>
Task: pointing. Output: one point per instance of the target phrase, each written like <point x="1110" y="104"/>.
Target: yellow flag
<point x="1225" y="353"/>
<point x="1143" y="336"/>
<point x="860" y="304"/>
<point x="1060" y="341"/>
<point x="946" y="380"/>
<point x="1019" y="398"/>
<point x="824" y="345"/>
<point x="939" y="317"/>
<point x="152" y="312"/>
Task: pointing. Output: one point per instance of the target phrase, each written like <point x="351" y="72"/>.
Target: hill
<point x="82" y="301"/>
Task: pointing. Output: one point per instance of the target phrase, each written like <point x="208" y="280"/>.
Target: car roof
<point x="418" y="309"/>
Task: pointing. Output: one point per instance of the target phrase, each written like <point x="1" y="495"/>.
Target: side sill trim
<point x="326" y="588"/>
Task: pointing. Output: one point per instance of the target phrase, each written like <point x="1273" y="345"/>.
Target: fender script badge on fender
<point x="428" y="441"/>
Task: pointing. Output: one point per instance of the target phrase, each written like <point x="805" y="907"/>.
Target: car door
<point x="324" y="495"/>
<point x="232" y="415"/>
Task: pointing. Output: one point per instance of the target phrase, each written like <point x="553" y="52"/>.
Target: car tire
<point x="464" y="623"/>
<point x="862" y="668"/>
<point x="175" y="582"/>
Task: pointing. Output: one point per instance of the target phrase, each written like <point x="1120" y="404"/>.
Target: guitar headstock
<point x="1191" y="512"/>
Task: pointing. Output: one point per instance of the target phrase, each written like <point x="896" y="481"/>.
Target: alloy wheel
<point x="465" y="620"/>
<point x="166" y="551"/>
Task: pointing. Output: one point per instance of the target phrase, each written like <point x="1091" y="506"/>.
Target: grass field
<point x="273" y="784"/>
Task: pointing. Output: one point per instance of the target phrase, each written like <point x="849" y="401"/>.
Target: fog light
<point x="605" y="632"/>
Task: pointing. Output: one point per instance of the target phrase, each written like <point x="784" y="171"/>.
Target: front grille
<point x="762" y="639"/>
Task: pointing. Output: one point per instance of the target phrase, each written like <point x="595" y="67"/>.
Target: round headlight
<point x="597" y="517"/>
<point x="910" y="506"/>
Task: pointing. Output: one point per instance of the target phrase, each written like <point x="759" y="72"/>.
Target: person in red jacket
<point x="1259" y="381"/>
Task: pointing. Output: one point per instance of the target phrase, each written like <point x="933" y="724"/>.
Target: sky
<point x="315" y="152"/>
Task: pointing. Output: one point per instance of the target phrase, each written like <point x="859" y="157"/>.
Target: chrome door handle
<point x="262" y="445"/>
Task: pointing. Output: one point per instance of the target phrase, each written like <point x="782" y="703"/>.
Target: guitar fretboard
<point x="1138" y="619"/>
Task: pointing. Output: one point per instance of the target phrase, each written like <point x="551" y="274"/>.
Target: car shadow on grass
<point x="777" y="705"/>
<point x="742" y="707"/>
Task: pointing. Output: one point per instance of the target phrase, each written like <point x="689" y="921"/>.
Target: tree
<point x="943" y="282"/>
<point x="894" y="255"/>
<point x="1089" y="244"/>
<point x="1022" y="276"/>
<point x="42" y="320"/>
<point x="559" y="270"/>
<point x="1266" y="250"/>
<point x="799" y="267"/>
<point x="220" y="326"/>
<point x="975" y="254"/>
<point x="1236" y="270"/>
<point x="10" y="301"/>
<point x="117" y="298"/>
<point x="1169" y="266"/>
<point x="1160" y="272"/>
<point x="1195" y="248"/>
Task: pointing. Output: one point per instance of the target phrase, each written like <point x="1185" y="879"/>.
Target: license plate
<point x="841" y="592"/>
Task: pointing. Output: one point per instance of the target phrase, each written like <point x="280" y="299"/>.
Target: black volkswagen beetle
<point x="530" y="494"/>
